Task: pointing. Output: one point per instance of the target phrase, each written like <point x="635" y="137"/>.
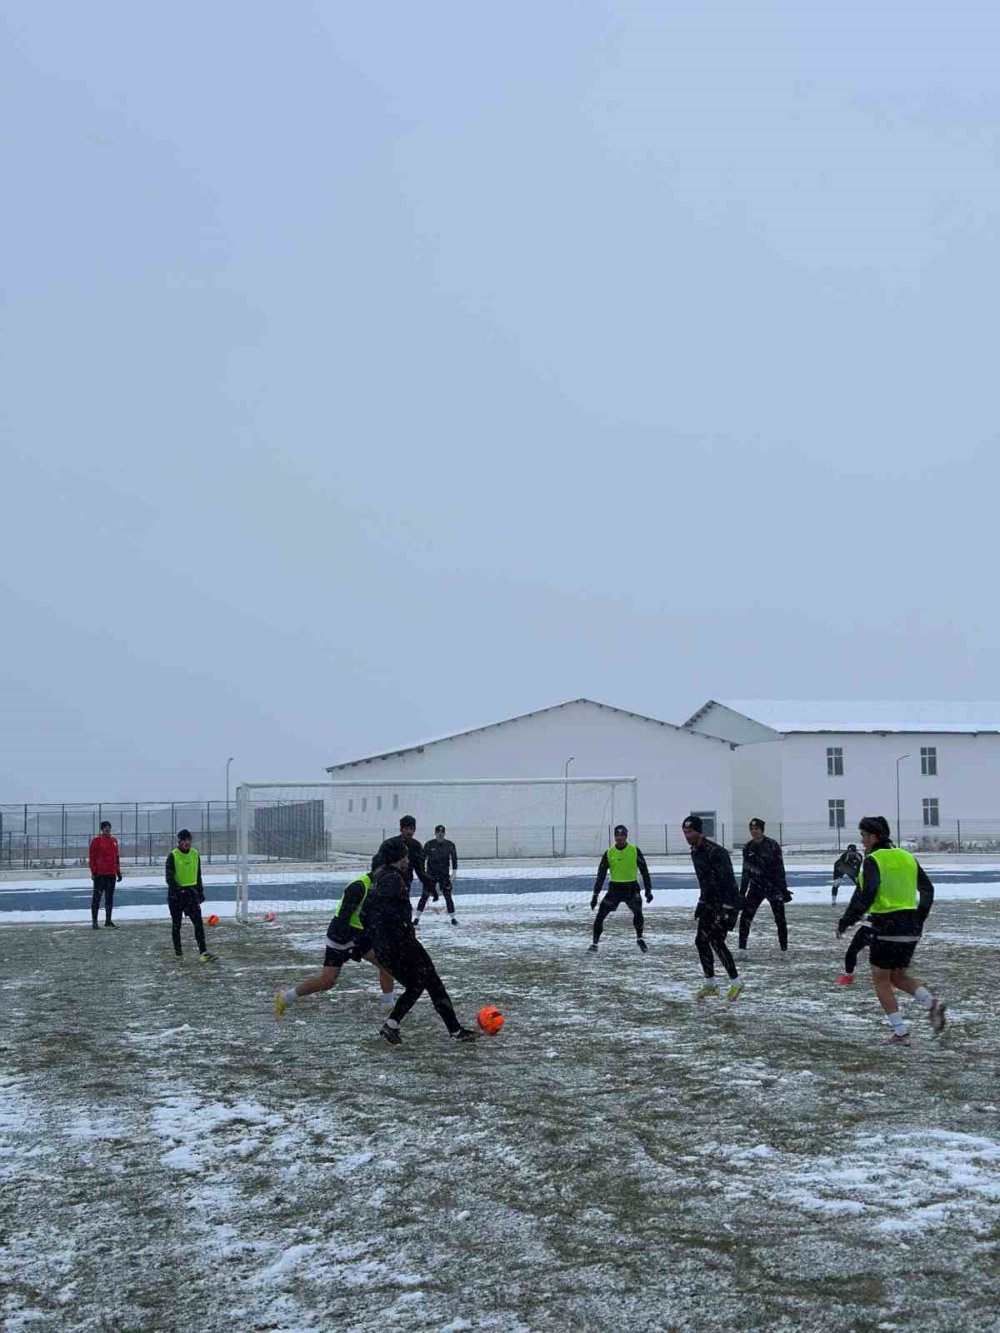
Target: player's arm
<point x="118" y="862"/>
<point x="90" y="857"/>
<point x="925" y="889"/>
<point x="341" y="929"/>
<point x="863" y="896"/>
<point x="745" y="872"/>
<point x="453" y="855"/>
<point x="779" y="867"/>
<point x="647" y="882"/>
<point x="602" y="874"/>
<point x="170" y="871"/>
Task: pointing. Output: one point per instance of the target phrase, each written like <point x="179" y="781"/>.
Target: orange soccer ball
<point x="213" y="920"/>
<point x="270" y="917"/>
<point x="490" y="1019"/>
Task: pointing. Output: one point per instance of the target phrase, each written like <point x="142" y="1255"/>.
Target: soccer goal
<point x="299" y="843"/>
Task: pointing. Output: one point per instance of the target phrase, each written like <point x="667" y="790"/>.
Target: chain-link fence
<point x="58" y="836"/>
<point x="50" y="836"/>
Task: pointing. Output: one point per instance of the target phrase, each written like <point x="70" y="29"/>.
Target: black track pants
<point x="629" y="895"/>
<point x="411" y="965"/>
<point x="711" y="937"/>
<point x="430" y="890"/>
<point x="754" y="899"/>
<point x="862" y="940"/>
<point x="186" y="905"/>
<point x="103" y="884"/>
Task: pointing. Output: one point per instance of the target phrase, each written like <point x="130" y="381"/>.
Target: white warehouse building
<point x="814" y="768"/>
<point x="678" y="770"/>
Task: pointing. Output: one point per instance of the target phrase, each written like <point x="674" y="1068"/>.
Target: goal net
<point x="299" y="843"/>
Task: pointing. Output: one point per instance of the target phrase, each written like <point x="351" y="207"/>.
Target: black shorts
<point x="357" y="951"/>
<point x="891" y="954"/>
<point x="627" y="894"/>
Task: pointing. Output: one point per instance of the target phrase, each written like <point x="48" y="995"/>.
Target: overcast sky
<point x="374" y="371"/>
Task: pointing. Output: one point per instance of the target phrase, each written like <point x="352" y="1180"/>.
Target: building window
<point x="364" y="804"/>
<point x="378" y="802"/>
<point x="350" y="805"/>
<point x="834" y="762"/>
<point x="928" y="761"/>
<point x="395" y="802"/>
<point x="932" y="816"/>
<point x="836" y="811"/>
<point x="707" y="818"/>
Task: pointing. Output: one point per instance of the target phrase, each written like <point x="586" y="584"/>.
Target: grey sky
<point x="375" y="371"/>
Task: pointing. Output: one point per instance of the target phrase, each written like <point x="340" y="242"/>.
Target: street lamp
<point x="899" y="841"/>
<point x="228" y="838"/>
<point x="566" y="798"/>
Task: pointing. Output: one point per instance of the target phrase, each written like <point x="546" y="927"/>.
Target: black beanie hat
<point x="392" y="850"/>
<point x="693" y="821"/>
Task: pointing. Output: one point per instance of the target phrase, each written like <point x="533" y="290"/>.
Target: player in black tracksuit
<point x="440" y="868"/>
<point x="718" y="907"/>
<point x="414" y="855"/>
<point x="846" y="866"/>
<point x="763" y="878"/>
<point x="387" y="917"/>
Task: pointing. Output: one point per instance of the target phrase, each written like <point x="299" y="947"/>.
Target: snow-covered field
<point x="173" y="1158"/>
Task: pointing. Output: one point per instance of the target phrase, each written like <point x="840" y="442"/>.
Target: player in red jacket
<point x="105" y="871"/>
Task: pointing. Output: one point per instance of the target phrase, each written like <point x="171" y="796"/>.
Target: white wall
<point x="757" y="786"/>
<point x="678" y="771"/>
<point x="967" y="784"/>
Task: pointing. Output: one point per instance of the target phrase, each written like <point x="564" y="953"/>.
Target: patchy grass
<point x="172" y="1158"/>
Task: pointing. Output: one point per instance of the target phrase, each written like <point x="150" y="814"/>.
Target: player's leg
<point x="634" y="901"/>
<point x="437" y="993"/>
<point x="425" y="893"/>
<point x="717" y="937"/>
<point x="449" y="901"/>
<point x="834" y="887"/>
<point x="95" y="899"/>
<point x="176" y="909"/>
<point x="780" y="921"/>
<point x="193" y="909"/>
<point x="882" y="981"/>
<point x="704" y="947"/>
<point x="861" y="940"/>
<point x="323" y="980"/>
<point x="109" y="899"/>
<point x="608" y="904"/>
<point x="902" y="980"/>
<point x="751" y="903"/>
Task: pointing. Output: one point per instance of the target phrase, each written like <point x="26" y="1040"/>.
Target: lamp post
<point x="898" y="762"/>
<point x="566" y="798"/>
<point x="228" y="838"/>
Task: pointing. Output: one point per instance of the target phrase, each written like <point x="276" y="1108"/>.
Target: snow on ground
<point x="173" y="1158"/>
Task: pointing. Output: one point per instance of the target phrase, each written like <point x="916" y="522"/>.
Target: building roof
<point x="489" y="726"/>
<point x="853" y="715"/>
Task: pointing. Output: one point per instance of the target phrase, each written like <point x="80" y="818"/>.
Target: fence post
<point x="958" y="831"/>
<point x="62" y="835"/>
<point x="496" y="830"/>
<point x="553" y="830"/>
<point x="135" y="844"/>
<point x="781" y="831"/>
<point x="208" y="814"/>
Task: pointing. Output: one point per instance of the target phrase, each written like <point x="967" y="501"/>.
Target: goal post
<point x="316" y="832"/>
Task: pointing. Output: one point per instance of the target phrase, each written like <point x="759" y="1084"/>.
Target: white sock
<point x="923" y="997"/>
<point x="709" y="981"/>
<point x="898" y="1023"/>
<point x="291" y="995"/>
<point x="391" y="1023"/>
<point x="388" y="998"/>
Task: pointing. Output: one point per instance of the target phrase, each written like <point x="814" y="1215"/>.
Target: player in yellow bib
<point x="625" y="863"/>
<point x="346" y="942"/>
<point x="897" y="895"/>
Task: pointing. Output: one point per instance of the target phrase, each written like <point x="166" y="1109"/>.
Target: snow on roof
<point x="792" y="715"/>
